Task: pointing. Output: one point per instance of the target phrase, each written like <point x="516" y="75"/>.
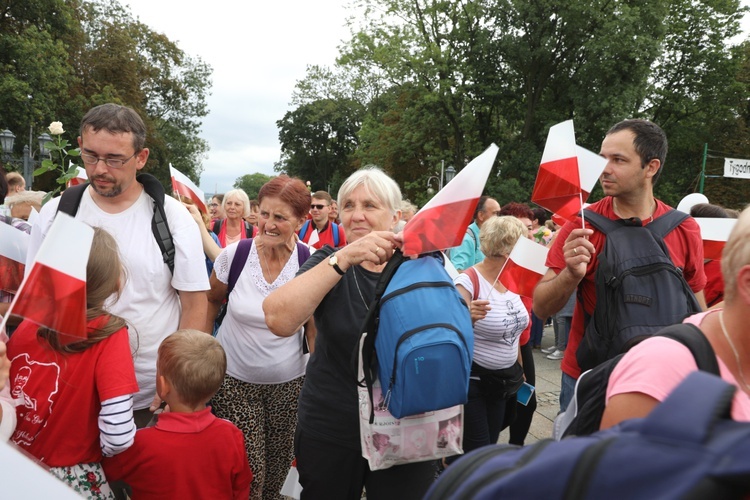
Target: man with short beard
<point x="154" y="301"/>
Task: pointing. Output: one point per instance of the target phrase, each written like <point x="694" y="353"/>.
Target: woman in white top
<point x="499" y="317"/>
<point x="264" y="371"/>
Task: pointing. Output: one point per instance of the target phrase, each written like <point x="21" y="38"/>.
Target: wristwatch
<point x="333" y="261"/>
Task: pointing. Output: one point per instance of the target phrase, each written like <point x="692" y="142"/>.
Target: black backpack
<point x="71" y="199"/>
<point x="216" y="229"/>
<point x="584" y="413"/>
<point x="639" y="290"/>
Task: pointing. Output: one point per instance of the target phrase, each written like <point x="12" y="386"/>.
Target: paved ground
<point x="547" y="393"/>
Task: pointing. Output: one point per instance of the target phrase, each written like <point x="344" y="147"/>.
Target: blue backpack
<point x="420" y="339"/>
<point x="334" y="229"/>
<point x="688" y="447"/>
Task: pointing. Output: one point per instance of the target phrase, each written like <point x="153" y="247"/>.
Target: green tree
<point x="317" y="141"/>
<point x="251" y="183"/>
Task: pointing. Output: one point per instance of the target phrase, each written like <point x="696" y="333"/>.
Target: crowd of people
<point x="208" y="373"/>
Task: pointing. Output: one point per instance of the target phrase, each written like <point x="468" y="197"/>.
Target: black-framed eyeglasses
<point x="110" y="162"/>
<point x="213" y="205"/>
<point x="317" y="207"/>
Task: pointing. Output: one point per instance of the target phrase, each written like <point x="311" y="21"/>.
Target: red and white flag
<point x="442" y="222"/>
<point x="80" y="177"/>
<point x="524" y="267"/>
<point x="567" y="173"/>
<point x="53" y="294"/>
<point x="14" y="245"/>
<point x="715" y="233"/>
<point x="185" y="187"/>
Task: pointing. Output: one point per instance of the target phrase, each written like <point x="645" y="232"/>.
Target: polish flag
<point x="14" y="245"/>
<point x="80" y="178"/>
<point x="442" y="222"/>
<point x="185" y="187"/>
<point x="53" y="294"/>
<point x="567" y="174"/>
<point x="524" y="267"/>
<point x="314" y="236"/>
<point x="715" y="233"/>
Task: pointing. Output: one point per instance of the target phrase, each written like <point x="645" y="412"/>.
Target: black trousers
<point x="520" y="428"/>
<point x="328" y="471"/>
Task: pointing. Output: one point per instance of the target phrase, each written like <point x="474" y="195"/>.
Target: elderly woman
<point x="236" y="205"/>
<point x="499" y="317"/>
<point x="264" y="371"/>
<point x="336" y="288"/>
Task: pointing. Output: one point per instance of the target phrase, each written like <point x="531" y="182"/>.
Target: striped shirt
<point x="496" y="336"/>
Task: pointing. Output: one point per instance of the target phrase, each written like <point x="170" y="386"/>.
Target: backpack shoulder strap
<point x="693" y="338"/>
<point x="303" y="253"/>
<point x="665" y="224"/>
<point x="335" y="229"/>
<point x="238" y="262"/>
<point x="303" y="229"/>
<point x="600" y="222"/>
<point x="217" y="226"/>
<point x="474" y="277"/>
<point x="159" y="225"/>
<point x="248" y="229"/>
<point x="71" y="199"/>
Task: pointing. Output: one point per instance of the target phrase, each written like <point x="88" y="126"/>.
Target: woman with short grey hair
<point x="336" y="288"/>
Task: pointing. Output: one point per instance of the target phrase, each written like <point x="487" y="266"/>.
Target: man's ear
<point x="652" y="167"/>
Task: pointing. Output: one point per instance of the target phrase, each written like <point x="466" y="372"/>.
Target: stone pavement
<point x="547" y="393"/>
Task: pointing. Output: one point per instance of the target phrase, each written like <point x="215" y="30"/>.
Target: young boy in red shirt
<point x="189" y="453"/>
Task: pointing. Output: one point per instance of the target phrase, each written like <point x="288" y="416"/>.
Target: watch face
<point x="333" y="260"/>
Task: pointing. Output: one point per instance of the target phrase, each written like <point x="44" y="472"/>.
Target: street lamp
<point x="7" y="140"/>
<point x="445" y="173"/>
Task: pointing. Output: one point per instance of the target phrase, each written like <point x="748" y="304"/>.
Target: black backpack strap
<point x="693" y="338"/>
<point x="600" y="222"/>
<point x="216" y="229"/>
<point x="159" y="225"/>
<point x="662" y="226"/>
<point x="71" y="199"/>
<point x="238" y="262"/>
<point x="370" y="324"/>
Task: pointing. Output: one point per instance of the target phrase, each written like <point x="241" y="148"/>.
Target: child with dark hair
<point x="189" y="453"/>
<point x="75" y="400"/>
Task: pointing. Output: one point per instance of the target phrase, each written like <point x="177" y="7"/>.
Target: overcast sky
<point x="258" y="51"/>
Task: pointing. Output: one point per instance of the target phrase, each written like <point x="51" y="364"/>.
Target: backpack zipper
<point x="414" y="286"/>
<point x="411" y="333"/>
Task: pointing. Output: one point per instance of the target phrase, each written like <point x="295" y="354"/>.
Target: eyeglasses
<point x="213" y="205"/>
<point x="317" y="207"/>
<point x="110" y="162"/>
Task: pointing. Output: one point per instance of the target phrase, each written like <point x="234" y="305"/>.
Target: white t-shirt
<point x="254" y="354"/>
<point x="148" y="301"/>
<point x="496" y="336"/>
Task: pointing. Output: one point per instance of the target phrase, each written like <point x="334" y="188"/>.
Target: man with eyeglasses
<point x="154" y="301"/>
<point x="319" y="230"/>
<point x="468" y="253"/>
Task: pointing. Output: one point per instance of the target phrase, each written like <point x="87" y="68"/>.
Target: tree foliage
<point x="251" y="183"/>
<point x="440" y="80"/>
<point x="60" y="58"/>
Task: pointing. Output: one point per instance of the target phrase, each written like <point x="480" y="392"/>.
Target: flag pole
<point x="583" y="221"/>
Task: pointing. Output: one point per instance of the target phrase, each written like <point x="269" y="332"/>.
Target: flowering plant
<point x="58" y="147"/>
<point x="542" y="235"/>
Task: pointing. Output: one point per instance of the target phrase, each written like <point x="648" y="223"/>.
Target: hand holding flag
<point x="185" y="187"/>
<point x="442" y="222"/>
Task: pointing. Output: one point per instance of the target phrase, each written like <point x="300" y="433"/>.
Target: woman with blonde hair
<point x="499" y="317"/>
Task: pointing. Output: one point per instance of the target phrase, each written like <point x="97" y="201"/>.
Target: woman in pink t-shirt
<point x="653" y="368"/>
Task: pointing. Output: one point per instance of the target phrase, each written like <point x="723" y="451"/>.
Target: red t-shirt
<point x="60" y="394"/>
<point x="714" y="290"/>
<point x="186" y="455"/>
<point x="325" y="237"/>
<point x="685" y="249"/>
